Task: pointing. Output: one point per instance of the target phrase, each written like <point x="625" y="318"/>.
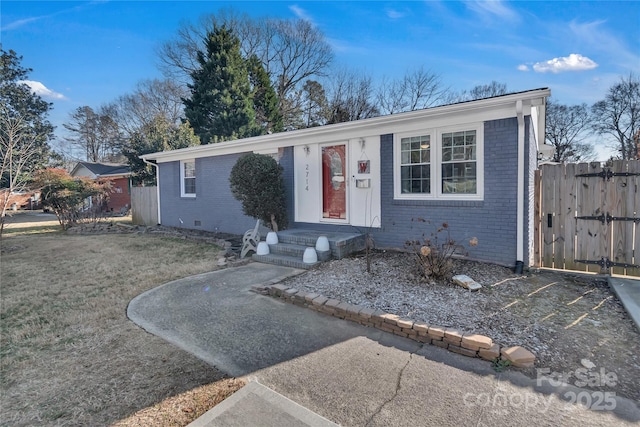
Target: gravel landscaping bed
<point x="563" y="319"/>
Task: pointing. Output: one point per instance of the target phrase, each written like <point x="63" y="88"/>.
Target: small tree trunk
<point x="274" y="224"/>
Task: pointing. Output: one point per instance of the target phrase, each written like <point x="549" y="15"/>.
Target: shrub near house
<point x="256" y="180"/>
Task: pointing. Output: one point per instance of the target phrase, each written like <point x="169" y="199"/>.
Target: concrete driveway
<point x="349" y="374"/>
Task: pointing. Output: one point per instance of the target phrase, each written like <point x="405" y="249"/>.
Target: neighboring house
<point x="20" y="200"/>
<point x="118" y="174"/>
<point x="469" y="164"/>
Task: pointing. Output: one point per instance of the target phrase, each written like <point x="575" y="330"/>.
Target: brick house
<point x="118" y="174"/>
<point x="20" y="200"/>
<point x="469" y="164"/>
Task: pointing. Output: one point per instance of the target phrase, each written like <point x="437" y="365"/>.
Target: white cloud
<point x="25" y="21"/>
<point x="573" y="62"/>
<point x="523" y="67"/>
<point x="19" y="23"/>
<point x="41" y="90"/>
<point x="493" y="8"/>
<point x="395" y="14"/>
<point x="300" y="13"/>
<point x="608" y="45"/>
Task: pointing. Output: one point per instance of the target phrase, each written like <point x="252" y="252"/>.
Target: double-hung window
<point x="415" y="164"/>
<point x="188" y="178"/>
<point x="440" y="164"/>
<point x="459" y="163"/>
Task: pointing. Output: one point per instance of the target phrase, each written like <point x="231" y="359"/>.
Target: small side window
<point x="188" y="178"/>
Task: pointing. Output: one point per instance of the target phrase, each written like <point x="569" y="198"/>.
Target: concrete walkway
<point x="628" y="292"/>
<point x="343" y="372"/>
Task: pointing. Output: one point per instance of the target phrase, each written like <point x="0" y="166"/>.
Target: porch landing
<point x="292" y="243"/>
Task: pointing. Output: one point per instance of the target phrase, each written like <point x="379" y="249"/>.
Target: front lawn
<point x="69" y="354"/>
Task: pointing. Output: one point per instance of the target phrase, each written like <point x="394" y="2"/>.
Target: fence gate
<point x="588" y="217"/>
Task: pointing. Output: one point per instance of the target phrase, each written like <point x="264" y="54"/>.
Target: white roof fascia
<point x="466" y="112"/>
<point x="115" y="175"/>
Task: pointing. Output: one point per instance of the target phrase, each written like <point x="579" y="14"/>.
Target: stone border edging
<point x="471" y="345"/>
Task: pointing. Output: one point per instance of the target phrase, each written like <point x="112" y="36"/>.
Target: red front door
<point x="334" y="192"/>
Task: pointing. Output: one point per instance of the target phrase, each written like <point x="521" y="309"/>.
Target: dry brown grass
<point x="70" y="356"/>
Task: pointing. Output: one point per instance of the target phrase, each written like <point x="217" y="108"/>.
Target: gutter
<point x="155" y="165"/>
<point x="520" y="192"/>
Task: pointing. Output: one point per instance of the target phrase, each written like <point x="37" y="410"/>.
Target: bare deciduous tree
<point x="481" y="91"/>
<point x="20" y="147"/>
<point x="291" y="51"/>
<point x="618" y="116"/>
<point x="417" y="89"/>
<point x="149" y="100"/>
<point x="566" y="130"/>
<point x="314" y="100"/>
<point x="25" y="131"/>
<point x="299" y="51"/>
<point x="178" y="57"/>
<point x="351" y="97"/>
<point x="96" y="133"/>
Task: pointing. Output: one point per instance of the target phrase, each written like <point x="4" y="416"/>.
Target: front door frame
<point x="346" y="175"/>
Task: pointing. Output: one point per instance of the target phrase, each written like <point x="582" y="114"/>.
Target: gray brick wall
<point x="214" y="206"/>
<point x="492" y="221"/>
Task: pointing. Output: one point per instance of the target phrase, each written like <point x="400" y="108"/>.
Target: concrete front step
<point x="283" y="260"/>
<point x="296" y="251"/>
<point x="341" y="244"/>
<point x="289" y="251"/>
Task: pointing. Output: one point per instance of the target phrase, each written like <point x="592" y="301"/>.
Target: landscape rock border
<point x="108" y="227"/>
<point x="471" y="345"/>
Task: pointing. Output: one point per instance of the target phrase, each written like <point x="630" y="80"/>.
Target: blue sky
<point x="89" y="53"/>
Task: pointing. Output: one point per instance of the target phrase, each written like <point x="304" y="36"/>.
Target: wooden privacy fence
<point x="588" y="217"/>
<point x="144" y="205"/>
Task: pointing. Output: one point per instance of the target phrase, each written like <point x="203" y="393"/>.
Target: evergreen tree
<point x="21" y="105"/>
<point x="24" y="130"/>
<point x="220" y="107"/>
<point x="159" y="135"/>
<point x="265" y="100"/>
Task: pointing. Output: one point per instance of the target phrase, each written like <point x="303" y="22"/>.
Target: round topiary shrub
<point x="256" y="180"/>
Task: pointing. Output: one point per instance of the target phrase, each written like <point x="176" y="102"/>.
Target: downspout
<point x="520" y="192"/>
<point x="155" y="165"/>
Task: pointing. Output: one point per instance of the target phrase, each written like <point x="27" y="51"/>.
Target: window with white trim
<point x="459" y="171"/>
<point x="415" y="164"/>
<point x="443" y="163"/>
<point x="188" y="178"/>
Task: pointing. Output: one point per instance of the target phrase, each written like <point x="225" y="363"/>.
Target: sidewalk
<point x="628" y="292"/>
<point x="345" y="373"/>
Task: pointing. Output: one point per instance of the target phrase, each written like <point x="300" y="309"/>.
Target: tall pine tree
<point x="221" y="105"/>
<point x="265" y="100"/>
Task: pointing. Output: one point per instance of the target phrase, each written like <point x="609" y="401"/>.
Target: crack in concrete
<point x="398" y="382"/>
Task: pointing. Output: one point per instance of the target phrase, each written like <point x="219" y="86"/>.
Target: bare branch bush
<point x="434" y="253"/>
